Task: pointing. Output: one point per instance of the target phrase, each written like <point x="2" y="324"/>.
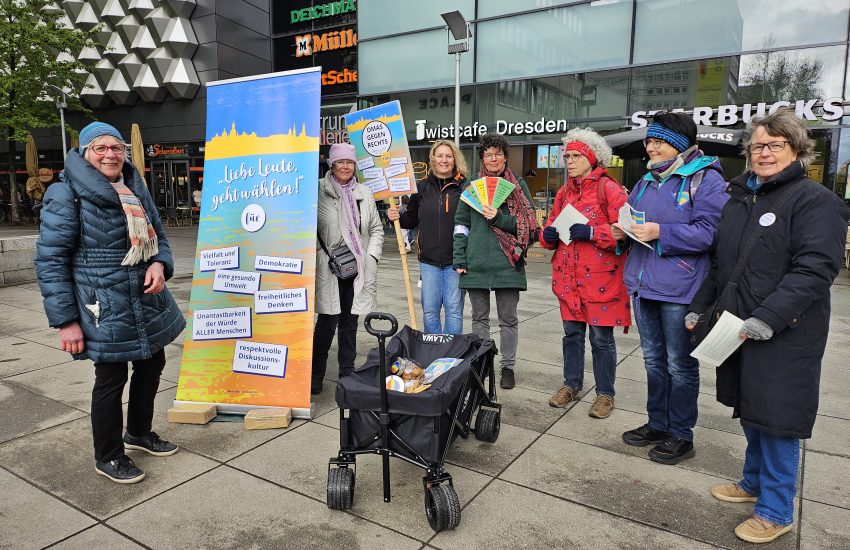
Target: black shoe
<point x="672" y="450"/>
<point x="643" y="436"/>
<point x="120" y="470"/>
<point x="507" y="380"/>
<point x="315" y="387"/>
<point x="150" y="443"/>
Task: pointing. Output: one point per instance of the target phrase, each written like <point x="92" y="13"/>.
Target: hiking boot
<point x="507" y="380"/>
<point x="150" y="443"/>
<point x="602" y="406"/>
<point x="759" y="530"/>
<point x="563" y="396"/>
<point x="643" y="436"/>
<point x="672" y="450"/>
<point x="732" y="492"/>
<point x="120" y="470"/>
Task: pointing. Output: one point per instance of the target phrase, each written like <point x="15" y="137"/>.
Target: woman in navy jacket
<point x="102" y="259"/>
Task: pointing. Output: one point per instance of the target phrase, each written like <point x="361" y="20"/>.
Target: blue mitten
<point x="550" y="235"/>
<point x="580" y="232"/>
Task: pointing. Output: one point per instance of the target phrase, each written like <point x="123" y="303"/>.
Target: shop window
<point x="811" y="73"/>
<point x="492" y="8"/>
<point x="554" y="41"/>
<point x="383" y="17"/>
<point x="676" y="29"/>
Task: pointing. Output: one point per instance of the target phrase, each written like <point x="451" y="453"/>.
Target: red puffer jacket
<point x="587" y="276"/>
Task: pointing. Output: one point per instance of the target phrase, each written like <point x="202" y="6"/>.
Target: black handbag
<point x="341" y="260"/>
<point x="728" y="298"/>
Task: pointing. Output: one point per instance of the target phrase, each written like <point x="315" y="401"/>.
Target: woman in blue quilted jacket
<point x="102" y="259"/>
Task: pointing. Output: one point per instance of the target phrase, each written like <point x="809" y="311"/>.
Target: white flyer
<point x="260" y="358"/>
<point x="365" y="163"/>
<point x="377" y="185"/>
<point x="568" y="217"/>
<point x="627" y="217"/>
<point x="373" y="173"/>
<point x="721" y="342"/>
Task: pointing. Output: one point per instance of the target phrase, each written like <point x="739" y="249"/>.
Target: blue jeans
<point x="672" y="375"/>
<point x="440" y="290"/>
<point x="604" y="356"/>
<point x="770" y="473"/>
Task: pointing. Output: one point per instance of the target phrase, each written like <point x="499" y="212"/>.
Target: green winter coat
<point x="476" y="247"/>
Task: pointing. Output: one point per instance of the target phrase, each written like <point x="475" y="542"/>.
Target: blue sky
<point x="265" y="106"/>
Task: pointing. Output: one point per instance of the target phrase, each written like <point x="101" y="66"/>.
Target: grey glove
<point x="691" y="319"/>
<point x="756" y="329"/>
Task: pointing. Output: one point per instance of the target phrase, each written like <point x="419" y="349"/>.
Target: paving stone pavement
<point x="556" y="478"/>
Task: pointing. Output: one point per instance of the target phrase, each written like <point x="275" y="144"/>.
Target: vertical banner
<point x="380" y="143"/>
<point x="249" y="333"/>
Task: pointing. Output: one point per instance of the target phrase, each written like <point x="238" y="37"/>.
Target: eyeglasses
<point x="494" y="155"/>
<point x="656" y="143"/>
<point x="773" y="146"/>
<point x="572" y="158"/>
<point x="116" y="149"/>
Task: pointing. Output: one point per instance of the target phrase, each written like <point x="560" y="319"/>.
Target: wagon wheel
<point x="487" y="424"/>
<point x="340" y="488"/>
<point x="442" y="507"/>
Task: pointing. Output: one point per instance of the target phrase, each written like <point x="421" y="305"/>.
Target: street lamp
<point x="61" y="104"/>
<point x="459" y="29"/>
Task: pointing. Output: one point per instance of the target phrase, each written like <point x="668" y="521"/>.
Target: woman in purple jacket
<point x="682" y="196"/>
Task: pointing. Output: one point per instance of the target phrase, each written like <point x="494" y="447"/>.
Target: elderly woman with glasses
<point x="489" y="253"/>
<point x="681" y="196"/>
<point x="587" y="275"/>
<point x="102" y="259"/>
<point x="772" y="382"/>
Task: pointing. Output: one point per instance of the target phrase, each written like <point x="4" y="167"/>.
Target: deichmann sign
<point x="325" y="10"/>
<point x="308" y="44"/>
<point x="727" y="115"/>
<point x="476" y="129"/>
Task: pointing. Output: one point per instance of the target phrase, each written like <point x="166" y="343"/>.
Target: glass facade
<point x="539" y="67"/>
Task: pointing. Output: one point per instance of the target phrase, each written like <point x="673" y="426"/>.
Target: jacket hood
<point x="89" y="180"/>
<point x="792" y="172"/>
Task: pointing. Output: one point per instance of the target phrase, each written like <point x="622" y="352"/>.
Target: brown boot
<point x="760" y="530"/>
<point x="731" y="492"/>
<point x="602" y="406"/>
<point x="563" y="396"/>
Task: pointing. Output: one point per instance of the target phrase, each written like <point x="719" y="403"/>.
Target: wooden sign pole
<point x="402" y="250"/>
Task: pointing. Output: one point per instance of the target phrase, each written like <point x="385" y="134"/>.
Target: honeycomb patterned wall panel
<point x="146" y="52"/>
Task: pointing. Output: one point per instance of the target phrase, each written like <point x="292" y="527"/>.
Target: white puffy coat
<point x="371" y="238"/>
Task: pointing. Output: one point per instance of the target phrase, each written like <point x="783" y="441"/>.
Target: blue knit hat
<point x="677" y="140"/>
<point x="95" y="130"/>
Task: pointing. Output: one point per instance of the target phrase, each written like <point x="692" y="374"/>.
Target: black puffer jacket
<point x="81" y="244"/>
<point x="432" y="210"/>
<point x="773" y="384"/>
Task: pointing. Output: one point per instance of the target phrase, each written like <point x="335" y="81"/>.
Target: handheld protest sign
<point x="383" y="164"/>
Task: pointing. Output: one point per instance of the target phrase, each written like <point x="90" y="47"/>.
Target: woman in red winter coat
<point x="587" y="275"/>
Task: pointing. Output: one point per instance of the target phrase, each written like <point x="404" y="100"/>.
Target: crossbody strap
<point x="750" y="245"/>
<point x="322" y="244"/>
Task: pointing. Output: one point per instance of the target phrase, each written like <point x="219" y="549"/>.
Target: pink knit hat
<point x="341" y="151"/>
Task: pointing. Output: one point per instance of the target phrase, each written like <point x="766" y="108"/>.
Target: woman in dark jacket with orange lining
<point x="432" y="211"/>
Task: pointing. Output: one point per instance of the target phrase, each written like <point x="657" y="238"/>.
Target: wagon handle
<point x="376" y="316"/>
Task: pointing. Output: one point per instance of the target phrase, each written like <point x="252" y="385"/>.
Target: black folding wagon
<point x="415" y="427"/>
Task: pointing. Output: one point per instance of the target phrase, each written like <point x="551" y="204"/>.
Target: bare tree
<point x="777" y="75"/>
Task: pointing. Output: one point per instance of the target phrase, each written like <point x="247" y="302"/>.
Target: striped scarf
<point x="143" y="241"/>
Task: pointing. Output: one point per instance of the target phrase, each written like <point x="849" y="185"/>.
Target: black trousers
<point x="106" y="415"/>
<point x="323" y="336"/>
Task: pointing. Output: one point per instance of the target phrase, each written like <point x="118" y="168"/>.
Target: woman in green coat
<point x="489" y="253"/>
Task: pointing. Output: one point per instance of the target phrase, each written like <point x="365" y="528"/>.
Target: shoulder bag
<point x="341" y="260"/>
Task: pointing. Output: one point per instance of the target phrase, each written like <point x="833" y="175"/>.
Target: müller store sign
<point x="828" y="110"/>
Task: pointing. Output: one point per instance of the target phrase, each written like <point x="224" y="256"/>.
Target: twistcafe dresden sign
<point x="831" y="109"/>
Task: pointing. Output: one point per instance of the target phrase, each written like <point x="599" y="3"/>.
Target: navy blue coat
<point x="81" y="243"/>
<point x="773" y="384"/>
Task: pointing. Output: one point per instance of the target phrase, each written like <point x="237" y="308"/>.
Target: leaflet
<point x="628" y="217"/>
<point x="566" y="219"/>
<point x="721" y="342"/>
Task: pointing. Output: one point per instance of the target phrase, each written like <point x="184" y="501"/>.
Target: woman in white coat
<point x="347" y="215"/>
